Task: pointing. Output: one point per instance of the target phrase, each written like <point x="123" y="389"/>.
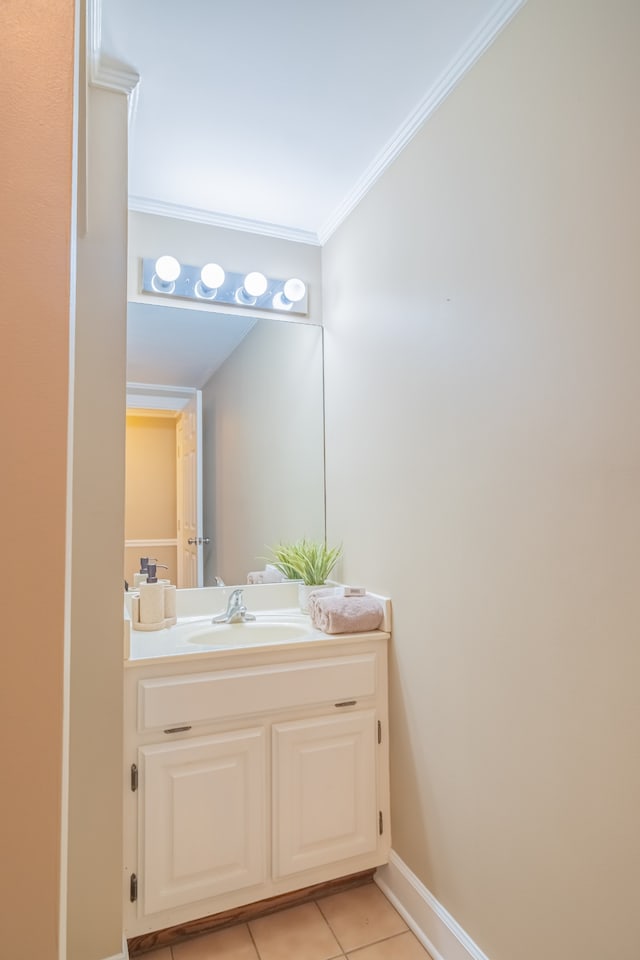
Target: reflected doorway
<point x="163" y="493"/>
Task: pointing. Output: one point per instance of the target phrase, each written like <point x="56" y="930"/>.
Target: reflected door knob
<point x="199" y="540"/>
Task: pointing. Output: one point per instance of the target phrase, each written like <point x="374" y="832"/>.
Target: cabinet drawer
<point x="201" y="697"/>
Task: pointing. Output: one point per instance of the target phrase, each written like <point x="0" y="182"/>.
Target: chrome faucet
<point x="236" y="611"/>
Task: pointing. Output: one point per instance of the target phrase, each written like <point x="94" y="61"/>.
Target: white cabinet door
<point x="201" y="818"/>
<point x="324" y="791"/>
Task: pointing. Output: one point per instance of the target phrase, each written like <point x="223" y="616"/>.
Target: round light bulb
<point x="294" y="290"/>
<point x="167" y="269"/>
<point x="255" y="284"/>
<point x="212" y="275"/>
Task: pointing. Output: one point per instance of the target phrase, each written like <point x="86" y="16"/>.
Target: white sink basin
<point x="250" y="632"/>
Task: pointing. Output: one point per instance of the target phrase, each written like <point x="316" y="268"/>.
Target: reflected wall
<point x="263" y="440"/>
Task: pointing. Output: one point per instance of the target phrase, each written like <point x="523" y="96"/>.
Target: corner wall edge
<point x="443" y="86"/>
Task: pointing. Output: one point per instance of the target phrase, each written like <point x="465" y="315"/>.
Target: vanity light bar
<point x="167" y="277"/>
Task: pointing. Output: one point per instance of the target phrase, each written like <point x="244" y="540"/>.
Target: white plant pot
<point x="304" y="591"/>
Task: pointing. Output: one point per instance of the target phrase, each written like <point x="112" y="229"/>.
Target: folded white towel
<point x="347" y="614"/>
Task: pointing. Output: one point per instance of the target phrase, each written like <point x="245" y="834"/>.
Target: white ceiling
<point x="177" y="347"/>
<point x="278" y="116"/>
<point x="274" y="117"/>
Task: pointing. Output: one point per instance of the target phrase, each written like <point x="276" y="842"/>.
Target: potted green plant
<point x="310" y="561"/>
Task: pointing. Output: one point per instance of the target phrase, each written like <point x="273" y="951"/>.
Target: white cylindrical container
<point x="135" y="609"/>
<point x="151" y="603"/>
<point x="169" y="602"/>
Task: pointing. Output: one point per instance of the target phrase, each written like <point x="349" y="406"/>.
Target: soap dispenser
<point x="141" y="577"/>
<point x="151" y="599"/>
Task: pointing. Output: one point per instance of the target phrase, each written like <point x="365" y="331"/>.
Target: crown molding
<point x="106" y="72"/>
<point x="212" y="218"/>
<point x="481" y="40"/>
<point x="110" y="74"/>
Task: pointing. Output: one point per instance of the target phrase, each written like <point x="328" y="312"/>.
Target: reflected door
<point x="189" y="490"/>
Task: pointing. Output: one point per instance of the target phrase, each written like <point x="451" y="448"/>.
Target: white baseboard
<point x="434" y="927"/>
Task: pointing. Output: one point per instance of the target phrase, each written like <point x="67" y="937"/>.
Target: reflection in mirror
<point x="262" y="451"/>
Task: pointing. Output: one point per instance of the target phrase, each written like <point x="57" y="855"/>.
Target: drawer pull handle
<point x="346" y="703"/>
<point x="177" y="729"/>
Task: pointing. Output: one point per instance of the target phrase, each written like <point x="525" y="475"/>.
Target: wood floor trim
<point x="144" y="942"/>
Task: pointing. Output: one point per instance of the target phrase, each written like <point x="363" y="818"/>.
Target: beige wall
<point x="150" y="491"/>
<point x="150" y="478"/>
<point x="483" y="459"/>
<point x="263" y="448"/>
<point x="36" y="88"/>
<point x="96" y="774"/>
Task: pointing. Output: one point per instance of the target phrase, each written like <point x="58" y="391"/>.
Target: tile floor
<point x="358" y="924"/>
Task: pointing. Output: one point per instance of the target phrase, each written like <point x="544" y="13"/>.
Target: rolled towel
<point x="316" y="595"/>
<point x="347" y="614"/>
<point x="268" y="575"/>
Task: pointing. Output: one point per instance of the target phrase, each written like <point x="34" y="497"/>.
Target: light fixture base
<point x="188" y="286"/>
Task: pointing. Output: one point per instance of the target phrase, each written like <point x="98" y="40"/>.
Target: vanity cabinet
<point x="251" y="774"/>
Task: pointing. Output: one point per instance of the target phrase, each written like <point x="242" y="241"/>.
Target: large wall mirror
<point x="262" y="436"/>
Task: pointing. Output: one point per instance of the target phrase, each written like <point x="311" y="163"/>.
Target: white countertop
<point x="195" y="636"/>
<point x="172" y="643"/>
